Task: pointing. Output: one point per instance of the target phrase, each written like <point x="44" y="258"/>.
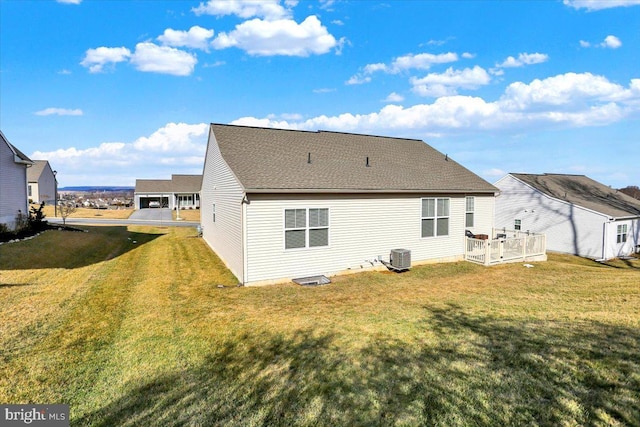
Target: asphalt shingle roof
<point x="266" y="159"/>
<point x="177" y="184"/>
<point x="34" y="172"/>
<point x="153" y="185"/>
<point x="585" y="192"/>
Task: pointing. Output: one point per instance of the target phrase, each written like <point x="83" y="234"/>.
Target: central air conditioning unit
<point x="400" y="259"/>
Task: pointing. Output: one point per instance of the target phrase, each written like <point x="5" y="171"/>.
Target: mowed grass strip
<point x="118" y="213"/>
<point x="141" y="334"/>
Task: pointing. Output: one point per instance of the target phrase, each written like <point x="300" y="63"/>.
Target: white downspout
<point x="243" y="220"/>
<point x="605" y="238"/>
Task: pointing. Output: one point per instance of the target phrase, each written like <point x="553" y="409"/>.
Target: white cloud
<point x="569" y="100"/>
<point x="447" y="83"/>
<point x="173" y="149"/>
<point x="421" y="61"/>
<point x="394" y="97"/>
<point x="495" y="173"/>
<point x="609" y="42"/>
<point x="267" y="9"/>
<point x="69" y="1"/>
<point x="58" y="112"/>
<point x="96" y="59"/>
<point x="196" y="38"/>
<point x="324" y="90"/>
<point x="524" y="59"/>
<point x="600" y="4"/>
<point x="358" y="80"/>
<point x="612" y="42"/>
<point x="279" y="37"/>
<point x="150" y="57"/>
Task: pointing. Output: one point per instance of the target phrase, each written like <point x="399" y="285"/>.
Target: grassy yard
<point x="188" y="214"/>
<point x="123" y="213"/>
<point x="143" y="326"/>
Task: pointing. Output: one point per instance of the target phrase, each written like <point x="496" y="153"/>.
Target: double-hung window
<point x="435" y="217"/>
<point x="517" y="224"/>
<point x="469" y="211"/>
<point x="621" y="235"/>
<point x="306" y="228"/>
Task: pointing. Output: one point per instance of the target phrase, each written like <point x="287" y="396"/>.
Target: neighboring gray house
<point x="283" y="204"/>
<point x="41" y="183"/>
<point x="579" y="215"/>
<point x="13" y="182"/>
<point x="181" y="191"/>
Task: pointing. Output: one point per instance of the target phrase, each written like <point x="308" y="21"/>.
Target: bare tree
<point x="66" y="209"/>
<point x="631" y="190"/>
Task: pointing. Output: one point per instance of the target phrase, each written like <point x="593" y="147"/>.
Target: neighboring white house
<point x="579" y="215"/>
<point x="13" y="182"/>
<point x="41" y="182"/>
<point x="181" y="191"/>
<point x="283" y="204"/>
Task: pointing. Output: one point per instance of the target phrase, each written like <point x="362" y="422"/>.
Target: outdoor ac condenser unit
<point x="400" y="258"/>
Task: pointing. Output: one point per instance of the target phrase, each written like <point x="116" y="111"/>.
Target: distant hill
<point x="97" y="189"/>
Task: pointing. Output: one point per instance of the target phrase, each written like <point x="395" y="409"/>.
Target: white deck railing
<point x="508" y="246"/>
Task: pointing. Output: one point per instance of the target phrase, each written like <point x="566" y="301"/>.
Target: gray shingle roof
<point x="177" y="184"/>
<point x="34" y="172"/>
<point x="186" y="183"/>
<point x="585" y="192"/>
<point x="274" y="160"/>
<point x="19" y="154"/>
<point x="153" y="185"/>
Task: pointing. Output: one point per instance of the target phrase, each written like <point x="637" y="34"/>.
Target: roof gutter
<point x="362" y="190"/>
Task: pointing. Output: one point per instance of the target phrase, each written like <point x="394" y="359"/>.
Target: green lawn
<point x="141" y="334"/>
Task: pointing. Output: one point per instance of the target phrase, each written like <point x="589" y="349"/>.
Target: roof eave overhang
<point x="19" y="160"/>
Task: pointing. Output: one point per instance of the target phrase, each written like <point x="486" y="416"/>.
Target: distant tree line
<point x="631" y="190"/>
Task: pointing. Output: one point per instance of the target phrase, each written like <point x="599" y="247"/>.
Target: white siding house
<point x="42" y="185"/>
<point x="179" y="192"/>
<point x="280" y="204"/>
<point x="578" y="215"/>
<point x="13" y="182"/>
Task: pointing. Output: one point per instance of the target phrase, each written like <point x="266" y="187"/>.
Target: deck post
<point x="487" y="252"/>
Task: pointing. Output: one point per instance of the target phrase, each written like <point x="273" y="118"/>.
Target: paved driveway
<point x="152" y="214"/>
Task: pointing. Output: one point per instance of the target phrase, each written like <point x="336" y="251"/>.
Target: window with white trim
<point x="306" y="228"/>
<point x="469" y="211"/>
<point x="621" y="234"/>
<point x="517" y="224"/>
<point x="435" y="217"/>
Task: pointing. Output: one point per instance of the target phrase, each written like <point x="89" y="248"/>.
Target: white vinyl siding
<point x="13" y="186"/>
<point x="435" y="217"/>
<point x="360" y="228"/>
<point x="569" y="228"/>
<point x="222" y="194"/>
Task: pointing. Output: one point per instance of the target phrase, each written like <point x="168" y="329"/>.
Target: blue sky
<point x="110" y="91"/>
